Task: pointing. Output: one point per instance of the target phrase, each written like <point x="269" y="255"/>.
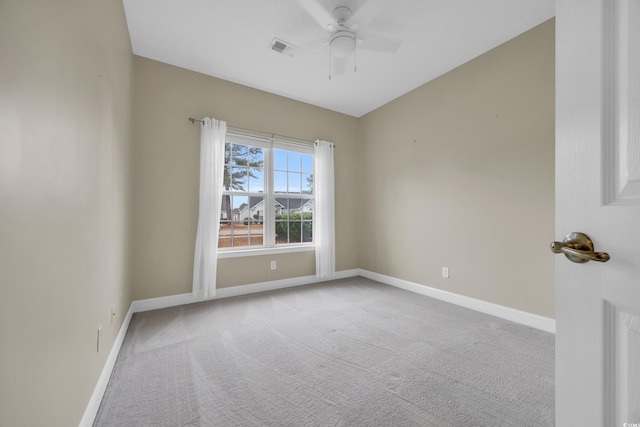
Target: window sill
<point x="264" y="251"/>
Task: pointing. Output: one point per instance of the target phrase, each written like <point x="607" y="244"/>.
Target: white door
<point x="598" y="193"/>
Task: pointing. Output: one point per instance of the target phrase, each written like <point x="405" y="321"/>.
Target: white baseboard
<point x="234" y="291"/>
<point x="91" y="410"/>
<point x="141" y="305"/>
<point x="533" y="320"/>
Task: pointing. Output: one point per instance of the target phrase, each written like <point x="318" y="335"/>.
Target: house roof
<point x="283" y="202"/>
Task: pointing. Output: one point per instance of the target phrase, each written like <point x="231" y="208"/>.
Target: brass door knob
<point x="578" y="247"/>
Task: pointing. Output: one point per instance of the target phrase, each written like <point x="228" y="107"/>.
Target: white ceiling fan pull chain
<point x="355" y="57"/>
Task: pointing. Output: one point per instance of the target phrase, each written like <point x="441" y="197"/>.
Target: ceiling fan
<point x="344" y="37"/>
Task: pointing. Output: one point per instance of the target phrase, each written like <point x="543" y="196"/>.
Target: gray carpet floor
<point x="350" y="352"/>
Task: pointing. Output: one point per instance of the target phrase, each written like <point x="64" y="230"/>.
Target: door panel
<point x="622" y="55"/>
<point x="598" y="193"/>
<point x="626" y="365"/>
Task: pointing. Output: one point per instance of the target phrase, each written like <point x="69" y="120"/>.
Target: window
<point x="267" y="199"/>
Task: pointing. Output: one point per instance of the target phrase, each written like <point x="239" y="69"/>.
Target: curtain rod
<point x="253" y="132"/>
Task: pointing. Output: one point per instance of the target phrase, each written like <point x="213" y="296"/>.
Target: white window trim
<point x="270" y="246"/>
<point x="256" y="251"/>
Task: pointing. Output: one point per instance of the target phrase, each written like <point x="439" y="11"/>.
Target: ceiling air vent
<point x="281" y="46"/>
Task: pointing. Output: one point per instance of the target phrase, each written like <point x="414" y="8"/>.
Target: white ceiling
<point x="230" y="39"/>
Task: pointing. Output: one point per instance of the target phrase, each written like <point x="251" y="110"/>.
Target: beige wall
<point x="460" y="173"/>
<point x="65" y="95"/>
<point x="166" y="171"/>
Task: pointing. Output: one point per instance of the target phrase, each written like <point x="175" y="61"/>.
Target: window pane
<point x="257" y="208"/>
<point x="307" y="184"/>
<point x="239" y="235"/>
<point x="283" y="204"/>
<point x="240" y="207"/>
<point x="225" y="211"/>
<point x="239" y="154"/>
<point x="256" y="233"/>
<point x="226" y="178"/>
<point x="307" y="209"/>
<point x="256" y="157"/>
<point x="239" y="179"/>
<point x="295" y="234"/>
<point x="294" y="182"/>
<point x="294" y="223"/>
<point x="280" y="182"/>
<point x="307" y="163"/>
<point x="282" y="223"/>
<point x="245" y="228"/>
<point x="279" y="207"/>
<point x="227" y="153"/>
<point x="224" y="237"/>
<point x="256" y="180"/>
<point x="280" y="160"/>
<point x="294" y="207"/>
<point x="294" y="161"/>
<point x="307" y="231"/>
<point x="282" y="232"/>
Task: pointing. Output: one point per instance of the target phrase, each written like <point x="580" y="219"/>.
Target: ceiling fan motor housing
<point x="342" y="14"/>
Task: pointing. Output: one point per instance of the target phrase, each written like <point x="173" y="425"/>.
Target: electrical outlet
<point x="273" y="265"/>
<point x="445" y="272"/>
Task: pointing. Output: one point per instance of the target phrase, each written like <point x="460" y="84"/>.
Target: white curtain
<point x="324" y="215"/>
<point x="212" y="139"/>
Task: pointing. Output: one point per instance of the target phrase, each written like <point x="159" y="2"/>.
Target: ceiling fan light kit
<point x="343" y="43"/>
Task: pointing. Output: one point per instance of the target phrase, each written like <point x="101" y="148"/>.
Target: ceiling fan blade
<point x="310" y="46"/>
<point x="377" y="44"/>
<point x="317" y="11"/>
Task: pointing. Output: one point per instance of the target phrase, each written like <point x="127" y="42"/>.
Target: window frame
<point x="269" y="245"/>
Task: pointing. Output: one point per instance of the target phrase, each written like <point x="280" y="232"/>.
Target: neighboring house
<point x="308" y="206"/>
<point x="256" y="207"/>
<point x="298" y="205"/>
<point x="235" y="213"/>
